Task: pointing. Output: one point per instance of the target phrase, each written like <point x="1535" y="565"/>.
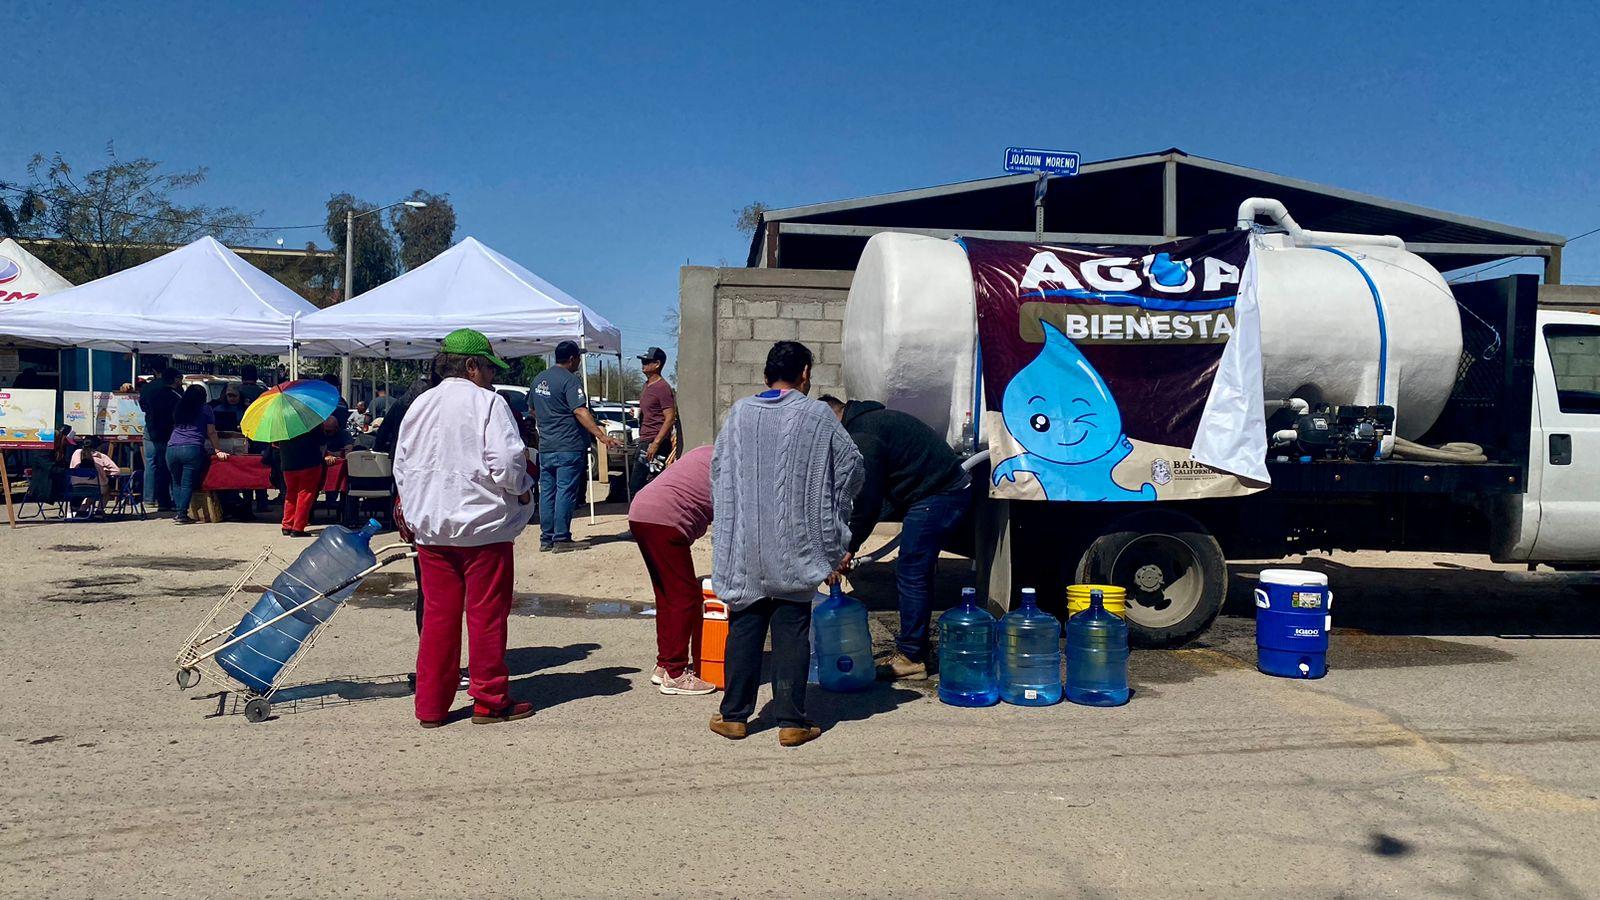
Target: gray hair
<point x="454" y="365"/>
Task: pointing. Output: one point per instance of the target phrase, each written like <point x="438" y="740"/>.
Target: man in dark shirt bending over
<point x="910" y="472"/>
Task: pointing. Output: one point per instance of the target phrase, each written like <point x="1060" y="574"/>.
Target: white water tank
<point x="909" y="329"/>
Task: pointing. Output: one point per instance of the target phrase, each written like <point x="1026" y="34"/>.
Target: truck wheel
<point x="1172" y="568"/>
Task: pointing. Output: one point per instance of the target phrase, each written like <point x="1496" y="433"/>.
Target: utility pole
<point x="349" y="256"/>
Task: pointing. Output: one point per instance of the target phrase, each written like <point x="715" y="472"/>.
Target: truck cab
<point x="1557" y="520"/>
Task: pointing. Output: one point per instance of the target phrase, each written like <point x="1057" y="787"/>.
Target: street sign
<point x="1049" y="162"/>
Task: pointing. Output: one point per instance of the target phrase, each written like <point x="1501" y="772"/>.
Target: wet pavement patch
<point x="72" y="548"/>
<point x="47" y="739"/>
<point x="170" y="563"/>
<point x="398" y="591"/>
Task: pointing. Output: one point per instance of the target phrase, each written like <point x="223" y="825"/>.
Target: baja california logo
<point x="9" y="270"/>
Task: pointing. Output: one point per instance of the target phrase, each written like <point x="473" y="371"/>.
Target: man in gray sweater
<point x="783" y="477"/>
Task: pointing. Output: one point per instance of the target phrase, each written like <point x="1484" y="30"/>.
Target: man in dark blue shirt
<point x="561" y="412"/>
<point x="158" y="400"/>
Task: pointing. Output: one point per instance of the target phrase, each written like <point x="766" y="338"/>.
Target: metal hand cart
<point x="220" y="629"/>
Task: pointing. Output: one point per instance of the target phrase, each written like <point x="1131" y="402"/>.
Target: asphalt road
<point x="1449" y="752"/>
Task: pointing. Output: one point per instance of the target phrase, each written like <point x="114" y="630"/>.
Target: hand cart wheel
<point x="257" y="710"/>
<point x="188" y="678"/>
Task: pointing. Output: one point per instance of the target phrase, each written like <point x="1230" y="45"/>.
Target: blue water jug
<point x="817" y="599"/>
<point x="337" y="556"/>
<point x="844" y="645"/>
<point x="1293" y="618"/>
<point x="1030" y="654"/>
<point x="1097" y="656"/>
<point x="969" y="670"/>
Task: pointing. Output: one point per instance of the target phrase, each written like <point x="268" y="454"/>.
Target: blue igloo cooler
<point x="1293" y="618"/>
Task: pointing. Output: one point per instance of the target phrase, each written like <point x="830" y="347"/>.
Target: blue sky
<point x="606" y="145"/>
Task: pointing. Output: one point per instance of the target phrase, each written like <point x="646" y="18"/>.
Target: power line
<point x="1512" y="259"/>
<point x="165" y="220"/>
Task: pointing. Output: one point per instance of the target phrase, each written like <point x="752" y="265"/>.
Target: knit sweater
<point x="783" y="477"/>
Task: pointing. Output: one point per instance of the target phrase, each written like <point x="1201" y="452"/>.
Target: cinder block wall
<point x="729" y="319"/>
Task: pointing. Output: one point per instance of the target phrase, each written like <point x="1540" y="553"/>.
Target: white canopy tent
<point x="467" y="286"/>
<point x="24" y="277"/>
<point x="200" y="298"/>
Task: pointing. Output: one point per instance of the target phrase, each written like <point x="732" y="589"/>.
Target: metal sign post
<point x="1043" y="163"/>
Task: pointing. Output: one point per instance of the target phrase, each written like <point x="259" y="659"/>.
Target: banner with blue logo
<point x="1120" y="373"/>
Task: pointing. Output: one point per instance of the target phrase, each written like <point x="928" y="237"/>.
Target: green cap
<point x="467" y="342"/>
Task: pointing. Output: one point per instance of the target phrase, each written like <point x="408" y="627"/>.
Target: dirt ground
<point x="1449" y="752"/>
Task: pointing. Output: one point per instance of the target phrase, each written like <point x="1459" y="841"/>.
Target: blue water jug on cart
<point x="1030" y="654"/>
<point x="337" y="556"/>
<point x="1293" y="618"/>
<point x="844" y="645"/>
<point x="969" y="667"/>
<point x="1097" y="656"/>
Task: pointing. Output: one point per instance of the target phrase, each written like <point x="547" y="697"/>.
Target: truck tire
<point x="1172" y="568"/>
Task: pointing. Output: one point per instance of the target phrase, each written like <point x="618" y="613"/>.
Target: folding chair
<point x="371" y="478"/>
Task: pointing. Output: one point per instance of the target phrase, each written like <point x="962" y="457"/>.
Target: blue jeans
<point x="922" y="536"/>
<point x="157" y="477"/>
<point x="560" y="481"/>
<point x="188" y="466"/>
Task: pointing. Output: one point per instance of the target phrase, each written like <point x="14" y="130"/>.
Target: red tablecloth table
<point x="246" y="472"/>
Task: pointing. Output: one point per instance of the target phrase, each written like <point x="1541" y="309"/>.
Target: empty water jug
<point x="969" y="672"/>
<point x="1097" y="656"/>
<point x="1030" y="654"/>
<point x="337" y="556"/>
<point x="844" y="646"/>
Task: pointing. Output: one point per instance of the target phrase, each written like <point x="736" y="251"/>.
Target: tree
<point x="373" y="256"/>
<point x="523" y="370"/>
<point x="18" y="214"/>
<point x="110" y="218"/>
<point x="426" y="232"/>
<point x="749" y="218"/>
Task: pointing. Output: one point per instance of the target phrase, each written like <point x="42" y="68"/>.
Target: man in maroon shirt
<point x="658" y="411"/>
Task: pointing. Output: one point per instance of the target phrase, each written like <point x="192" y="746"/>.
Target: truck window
<point x="1575" y="357"/>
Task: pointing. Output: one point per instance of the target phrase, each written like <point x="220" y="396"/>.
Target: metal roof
<point x="1151" y="197"/>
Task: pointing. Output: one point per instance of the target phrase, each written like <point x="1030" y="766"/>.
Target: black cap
<point x="567" y="350"/>
<point x="654" y="354"/>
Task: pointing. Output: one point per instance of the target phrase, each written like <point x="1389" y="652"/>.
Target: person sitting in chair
<point x="90" y="466"/>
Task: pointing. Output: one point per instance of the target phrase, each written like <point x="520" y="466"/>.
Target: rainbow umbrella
<point x="289" y="410"/>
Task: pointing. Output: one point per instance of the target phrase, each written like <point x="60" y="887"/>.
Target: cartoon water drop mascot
<point x="1062" y="413"/>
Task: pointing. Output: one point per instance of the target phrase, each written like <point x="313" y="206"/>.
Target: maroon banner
<point x="1098" y="364"/>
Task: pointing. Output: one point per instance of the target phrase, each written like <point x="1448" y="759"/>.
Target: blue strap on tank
<point x="1383" y="328"/>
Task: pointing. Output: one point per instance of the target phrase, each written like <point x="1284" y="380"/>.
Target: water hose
<point x="1453" y="452"/>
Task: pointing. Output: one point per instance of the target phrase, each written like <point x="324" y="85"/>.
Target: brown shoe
<point x="794" y="737"/>
<point x="511" y="712"/>
<point x="733" y="731"/>
<point x="899" y="668"/>
<point x="431" y="723"/>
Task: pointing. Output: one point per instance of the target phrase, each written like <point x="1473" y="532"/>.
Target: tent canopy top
<point x="199" y="298"/>
<point x="468" y="286"/>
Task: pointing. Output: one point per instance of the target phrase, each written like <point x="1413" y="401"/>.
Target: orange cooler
<point x="711" y="644"/>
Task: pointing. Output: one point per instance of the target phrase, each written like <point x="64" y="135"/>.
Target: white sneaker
<point x="657" y="675"/>
<point x="688" y="683"/>
<point x="465" y="683"/>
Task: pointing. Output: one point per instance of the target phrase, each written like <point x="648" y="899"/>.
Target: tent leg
<point x="294" y="363"/>
<point x="627" y="436"/>
<point x="583" y="344"/>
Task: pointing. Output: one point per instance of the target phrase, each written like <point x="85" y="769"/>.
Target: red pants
<point x="476" y="580"/>
<point x="300" y="489"/>
<point x="678" y="600"/>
